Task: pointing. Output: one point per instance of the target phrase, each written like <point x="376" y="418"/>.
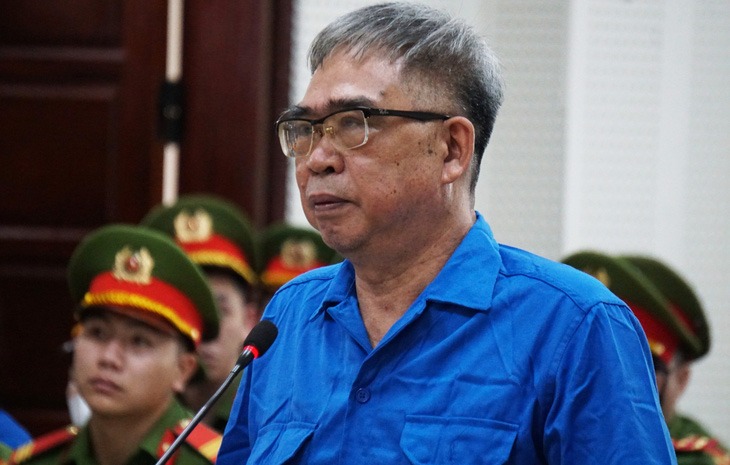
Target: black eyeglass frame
<point x="367" y="112"/>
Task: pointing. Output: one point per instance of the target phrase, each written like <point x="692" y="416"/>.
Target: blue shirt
<point x="504" y="358"/>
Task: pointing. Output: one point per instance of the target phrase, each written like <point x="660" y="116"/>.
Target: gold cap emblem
<point x="197" y="227"/>
<point x="600" y="274"/>
<point x="298" y="253"/>
<point x="133" y="266"/>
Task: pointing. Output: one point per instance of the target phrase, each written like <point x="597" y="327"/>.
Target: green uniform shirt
<point x="694" y="445"/>
<point x="4" y="452"/>
<point x="75" y="449"/>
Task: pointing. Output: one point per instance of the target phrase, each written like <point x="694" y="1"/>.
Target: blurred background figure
<point x="678" y="333"/>
<point x="286" y="252"/>
<point x="217" y="236"/>
<point x="143" y="307"/>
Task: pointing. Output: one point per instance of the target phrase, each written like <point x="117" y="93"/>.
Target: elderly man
<point x="430" y="343"/>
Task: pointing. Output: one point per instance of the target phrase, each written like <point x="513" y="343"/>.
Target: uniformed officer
<point x="286" y="252"/>
<point x="678" y="333"/>
<point x="143" y="308"/>
<point x="217" y="236"/>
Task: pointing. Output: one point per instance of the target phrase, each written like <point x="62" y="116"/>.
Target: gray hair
<point x="443" y="51"/>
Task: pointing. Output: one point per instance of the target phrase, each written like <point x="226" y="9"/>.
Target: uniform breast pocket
<point x="462" y="441"/>
<point x="279" y="442"/>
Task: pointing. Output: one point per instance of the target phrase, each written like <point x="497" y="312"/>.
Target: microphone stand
<point x="256" y="343"/>
<point x="245" y="358"/>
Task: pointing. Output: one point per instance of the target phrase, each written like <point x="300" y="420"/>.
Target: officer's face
<point x="672" y="380"/>
<point x="237" y="317"/>
<point x="125" y="367"/>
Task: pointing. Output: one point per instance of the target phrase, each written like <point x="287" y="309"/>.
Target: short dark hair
<point x="246" y="289"/>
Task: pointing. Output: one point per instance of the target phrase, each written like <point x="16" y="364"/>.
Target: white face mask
<point x="78" y="409"/>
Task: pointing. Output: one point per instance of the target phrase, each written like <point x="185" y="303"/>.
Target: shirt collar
<point x="468" y="277"/>
<point x="340" y="288"/>
<point x="475" y="263"/>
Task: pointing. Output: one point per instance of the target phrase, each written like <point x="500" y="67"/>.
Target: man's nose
<point x="324" y="157"/>
<point x="112" y="352"/>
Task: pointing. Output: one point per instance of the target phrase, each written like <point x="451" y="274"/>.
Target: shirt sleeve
<point x="605" y="408"/>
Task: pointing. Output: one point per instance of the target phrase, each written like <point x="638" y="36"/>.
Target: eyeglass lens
<point x="347" y="130"/>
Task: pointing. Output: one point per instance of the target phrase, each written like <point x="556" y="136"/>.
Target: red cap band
<point x="219" y="251"/>
<point x="662" y="340"/>
<point x="157" y="297"/>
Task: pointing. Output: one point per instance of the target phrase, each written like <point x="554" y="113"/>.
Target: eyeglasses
<point x="346" y="128"/>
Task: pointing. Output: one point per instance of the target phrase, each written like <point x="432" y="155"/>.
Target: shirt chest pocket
<point x="462" y="441"/>
<point x="279" y="442"/>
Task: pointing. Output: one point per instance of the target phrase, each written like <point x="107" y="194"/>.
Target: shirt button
<point x="362" y="395"/>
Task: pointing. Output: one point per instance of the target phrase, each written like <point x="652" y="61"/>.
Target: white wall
<point x="615" y="135"/>
<point x="648" y="155"/>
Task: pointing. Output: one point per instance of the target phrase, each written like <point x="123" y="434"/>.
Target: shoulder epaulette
<point x="43" y="444"/>
<point x="706" y="444"/>
<point x="691" y="443"/>
<point x="202" y="438"/>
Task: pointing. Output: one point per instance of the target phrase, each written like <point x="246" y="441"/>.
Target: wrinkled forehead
<point x="379" y="59"/>
<point x="413" y="77"/>
<point x="344" y="81"/>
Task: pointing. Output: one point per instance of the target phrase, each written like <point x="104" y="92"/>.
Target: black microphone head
<point x="262" y="336"/>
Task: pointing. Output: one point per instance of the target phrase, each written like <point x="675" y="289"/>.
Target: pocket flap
<point x="279" y="442"/>
<point x="428" y="439"/>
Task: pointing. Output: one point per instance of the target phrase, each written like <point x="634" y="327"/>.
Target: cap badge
<point x="298" y="253"/>
<point x="600" y="274"/>
<point x="197" y="227"/>
<point x="657" y="347"/>
<point x="133" y="266"/>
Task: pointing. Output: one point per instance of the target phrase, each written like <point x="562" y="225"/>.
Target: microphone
<point x="255" y="345"/>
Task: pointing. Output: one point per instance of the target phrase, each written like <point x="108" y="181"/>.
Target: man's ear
<point x="460" y="133"/>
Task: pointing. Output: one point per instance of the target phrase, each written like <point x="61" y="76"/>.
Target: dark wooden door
<point x="79" y="148"/>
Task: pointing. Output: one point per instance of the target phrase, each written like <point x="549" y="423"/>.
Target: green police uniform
<point x="219" y="237"/>
<point x="693" y="443"/>
<point x="673" y="320"/>
<point x="141" y="274"/>
<point x="72" y="446"/>
<point x="5" y="452"/>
